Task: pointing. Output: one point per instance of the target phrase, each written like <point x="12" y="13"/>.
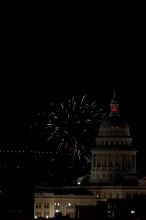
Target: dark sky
<point x="55" y="52"/>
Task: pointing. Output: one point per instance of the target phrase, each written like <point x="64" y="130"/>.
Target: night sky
<point x="55" y="52"/>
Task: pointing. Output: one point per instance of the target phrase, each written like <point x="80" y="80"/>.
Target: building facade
<point x="112" y="176"/>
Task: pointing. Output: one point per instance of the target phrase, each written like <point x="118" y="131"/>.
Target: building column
<point x="135" y="162"/>
<point x="101" y="161"/>
<point x="114" y="161"/>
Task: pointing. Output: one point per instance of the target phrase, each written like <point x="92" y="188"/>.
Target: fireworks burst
<point x="69" y="126"/>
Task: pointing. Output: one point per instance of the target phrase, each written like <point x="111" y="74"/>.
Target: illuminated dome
<point x="113" y="130"/>
<point x="113" y="157"/>
<point x="113" y="127"/>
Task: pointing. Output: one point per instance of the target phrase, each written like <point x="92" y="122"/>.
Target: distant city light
<point x="57" y="210"/>
<point x="47" y="216"/>
<point x="35" y="217"/>
<point x="132" y="211"/>
<point x="97" y="196"/>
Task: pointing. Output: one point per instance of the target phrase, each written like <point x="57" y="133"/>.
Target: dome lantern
<point x="114" y="110"/>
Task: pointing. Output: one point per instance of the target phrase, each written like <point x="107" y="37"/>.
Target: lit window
<point x="57" y="204"/>
<point x="97" y="195"/>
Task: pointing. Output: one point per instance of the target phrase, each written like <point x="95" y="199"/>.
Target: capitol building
<point x="113" y="174"/>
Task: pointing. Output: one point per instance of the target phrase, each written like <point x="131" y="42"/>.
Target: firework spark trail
<point x="69" y="126"/>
